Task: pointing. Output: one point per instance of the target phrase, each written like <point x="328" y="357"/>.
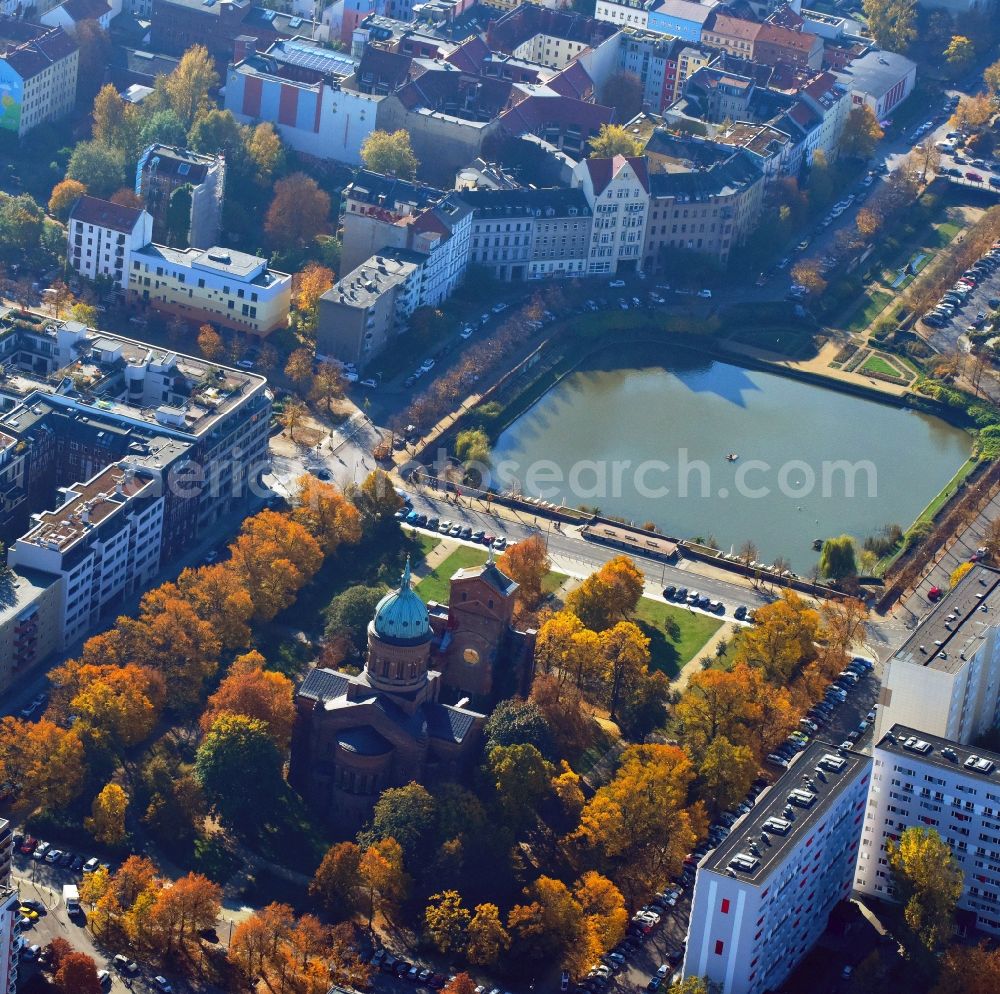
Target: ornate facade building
<point x="357" y="735"/>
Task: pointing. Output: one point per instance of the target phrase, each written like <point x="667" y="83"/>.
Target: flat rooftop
<point x="88" y="505"/>
<point x="18" y="589"/>
<point x="815" y="779"/>
<point x="911" y="743"/>
<point x="953" y="628"/>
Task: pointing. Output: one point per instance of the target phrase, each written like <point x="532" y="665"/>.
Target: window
<point x="725" y="906"/>
<point x="718" y="947"/>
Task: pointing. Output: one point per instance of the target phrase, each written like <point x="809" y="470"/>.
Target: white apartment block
<point x="38" y="68"/>
<point x="924" y="781"/>
<point x="104" y="540"/>
<point x="218" y="285"/>
<point x="945" y="678"/>
<point x="762" y="899"/>
<point x="628" y="13"/>
<point x="617" y="190"/>
<point x="101" y="237"/>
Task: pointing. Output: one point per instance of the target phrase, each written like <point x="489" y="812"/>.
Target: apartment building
<point x="38" y="68"/>
<point x="776" y="44"/>
<point x="882" y="80"/>
<point x="945" y="678"/>
<point x="680" y="18"/>
<point x="705" y="197"/>
<point x="529" y="234"/>
<point x="101" y="237"/>
<point x="924" y="781"/>
<point x="663" y="65"/>
<point x="617" y="191"/>
<point x="69" y="14"/>
<point x="103" y="541"/>
<point x="304" y="90"/>
<point x="546" y="36"/>
<point x="218" y="285"/>
<point x="362" y="313"/>
<point x="10" y="932"/>
<point x="734" y="35"/>
<point x="77" y="400"/>
<point x="161" y="170"/>
<point x="763" y="898"/>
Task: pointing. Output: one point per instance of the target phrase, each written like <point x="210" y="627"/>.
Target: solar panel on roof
<point x="295" y="22"/>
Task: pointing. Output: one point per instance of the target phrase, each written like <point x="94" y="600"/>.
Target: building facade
<point x="302" y="89"/>
<point x="680" y="18"/>
<point x="103" y="541"/>
<point x="30" y="626"/>
<point x="763" y="898"/>
<point x="945" y="678"/>
<point x="218" y="285"/>
<point x="627" y="13"/>
<point x="923" y="781"/>
<point x="161" y="170"/>
<point x="618" y="193"/>
<point x="38" y="68"/>
<point x="101" y="237"/>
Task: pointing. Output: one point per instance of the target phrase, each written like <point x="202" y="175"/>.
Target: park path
<point x="704" y="655"/>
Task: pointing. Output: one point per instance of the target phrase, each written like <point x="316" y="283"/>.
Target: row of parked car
<point x="456" y="530"/>
<point x="955" y="299"/>
<point x="693" y="598"/>
<point x="43" y="852"/>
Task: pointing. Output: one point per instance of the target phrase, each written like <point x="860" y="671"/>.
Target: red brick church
<point x="355" y="736"/>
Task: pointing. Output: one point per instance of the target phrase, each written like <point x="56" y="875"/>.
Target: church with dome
<point x="356" y="735"/>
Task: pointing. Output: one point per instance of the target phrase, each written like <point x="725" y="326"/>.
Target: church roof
<point x="489" y="572"/>
<point x="401" y="616"/>
<point x="324" y="685"/>
<point x="364" y="740"/>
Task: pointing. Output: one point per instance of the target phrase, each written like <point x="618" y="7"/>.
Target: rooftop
<point x="374" y="277"/>
<point x="876" y="72"/>
<point x="786" y="812"/>
<point x="545" y="203"/>
<point x="30" y="49"/>
<point x="241" y="266"/>
<point x="953" y="628"/>
<point x="174" y="161"/>
<point x="88" y="505"/>
<point x="967" y="760"/>
<point x="18" y="590"/>
<point x="686" y="10"/>
<point x="105" y="214"/>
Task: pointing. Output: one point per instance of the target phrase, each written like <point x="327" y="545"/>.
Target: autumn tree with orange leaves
<point x="252" y="690"/>
<point x="527" y="563"/>
<point x="326" y="514"/>
<point x="43" y="761"/>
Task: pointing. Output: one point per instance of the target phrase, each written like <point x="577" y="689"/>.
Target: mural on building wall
<point x="11" y="97"/>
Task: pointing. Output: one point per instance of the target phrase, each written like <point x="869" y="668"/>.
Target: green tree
<point x="522" y="778"/>
<point x="164" y="127"/>
<point x="408" y="815"/>
<point x="892" y="23"/>
<point x="473" y="446"/>
<point x="837" y="560"/>
<point x="960" y="54"/>
<point x="928" y="884"/>
<point x="390" y="153"/>
<point x="725" y="773"/>
<point x="516" y="721"/>
<point x="349" y="613"/>
<point x="234" y="745"/>
<point x="611" y="140"/>
<point x="99" y="168"/>
<point x="218" y="131"/>
<point x="179" y="215"/>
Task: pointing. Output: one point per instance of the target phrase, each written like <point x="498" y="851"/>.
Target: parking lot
<point x="968" y="306"/>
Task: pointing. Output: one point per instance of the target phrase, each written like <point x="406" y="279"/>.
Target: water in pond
<point x="650" y="438"/>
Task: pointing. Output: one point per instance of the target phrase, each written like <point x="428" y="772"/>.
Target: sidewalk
<point x="705" y="654"/>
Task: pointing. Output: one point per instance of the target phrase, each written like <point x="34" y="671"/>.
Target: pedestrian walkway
<point x="706" y="654"/>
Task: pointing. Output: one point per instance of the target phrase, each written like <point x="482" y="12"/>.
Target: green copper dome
<point x="401" y="615"/>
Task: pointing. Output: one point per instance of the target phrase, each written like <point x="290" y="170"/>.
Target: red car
<point x="974" y="177"/>
<point x="934" y="594"/>
<point x="29" y="844"/>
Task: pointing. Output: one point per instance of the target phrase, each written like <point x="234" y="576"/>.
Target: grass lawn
<point x="948" y="490"/>
<point x="425" y="543"/>
<point x="796" y="343"/>
<point x="945" y="233"/>
<point x="876" y="364"/>
<point x="675" y="633"/>
<point x="436" y="584"/>
<point x="875" y="302"/>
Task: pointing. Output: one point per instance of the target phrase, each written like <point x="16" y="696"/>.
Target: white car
<point x="427" y="365"/>
<point x="163" y="985"/>
<point x="371" y="384"/>
<point x="466" y="332"/>
<point x="616" y="283"/>
<point x="497" y="308"/>
<point x="705" y="294"/>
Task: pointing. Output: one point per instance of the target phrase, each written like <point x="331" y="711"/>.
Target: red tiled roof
<point x="772" y="34"/>
<point x="91" y="210"/>
<point x="735" y="27"/>
<point x="470" y="55"/>
<point x="603" y="171"/>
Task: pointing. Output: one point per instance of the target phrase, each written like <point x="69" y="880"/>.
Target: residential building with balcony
<point x="305" y="91"/>
<point x="162" y="169"/>
<point x="38" y="69"/>
<point x="101" y="237"/>
<point x="662" y="64"/>
<point x="103" y="541"/>
<point x="10" y="930"/>
<point x="945" y="678"/>
<point x="218" y="285"/>
<point x="762" y="898"/>
<point x="30" y="625"/>
<point x="921" y="780"/>
<point x="617" y="191"/>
